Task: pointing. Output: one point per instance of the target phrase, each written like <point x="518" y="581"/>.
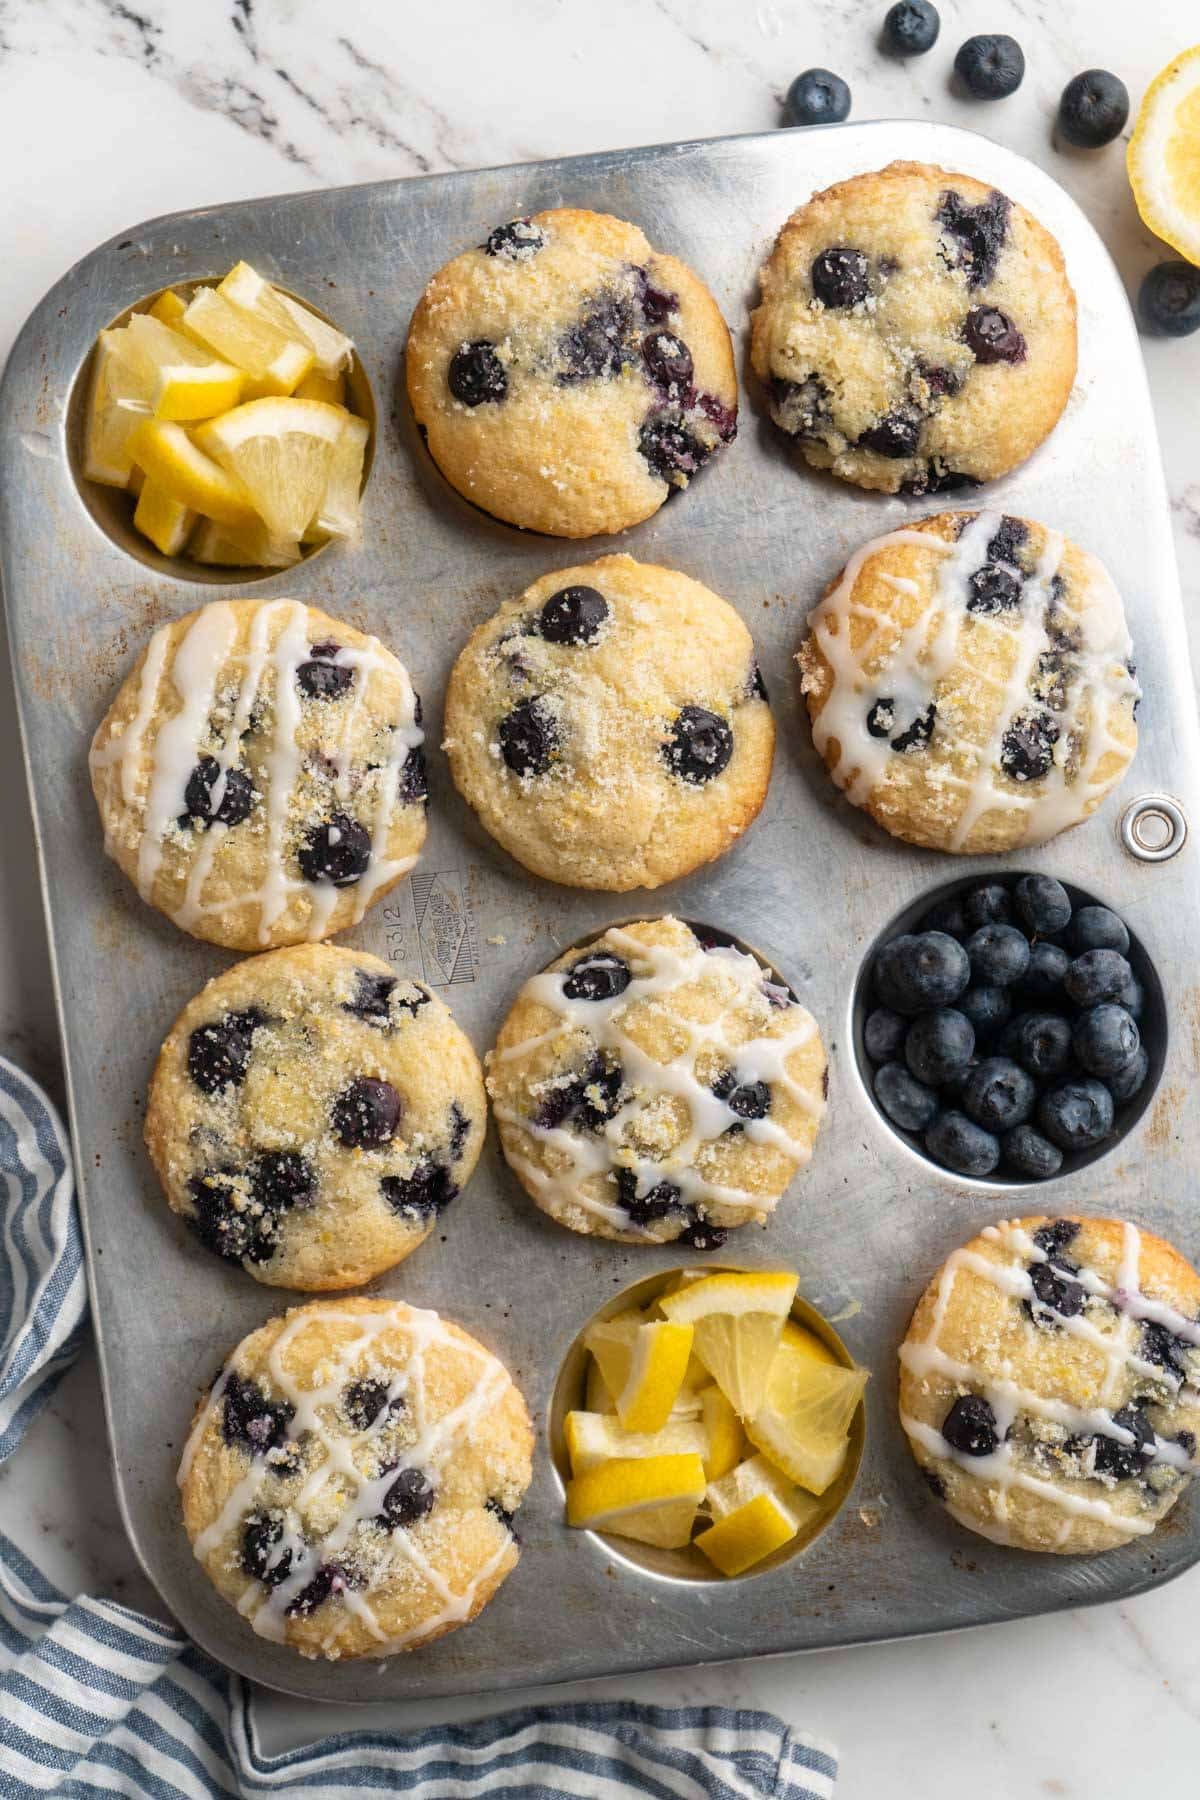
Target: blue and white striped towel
<point x="98" y="1700"/>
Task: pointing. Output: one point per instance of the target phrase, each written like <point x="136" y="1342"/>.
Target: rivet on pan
<point x="1153" y="828"/>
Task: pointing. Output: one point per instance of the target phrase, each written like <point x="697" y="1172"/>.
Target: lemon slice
<point x="331" y="349"/>
<point x="241" y="546"/>
<point x="738" y="1320"/>
<point x="1163" y="158"/>
<point x="282" y="451"/>
<point x="725" y="1439"/>
<point x="330" y="388"/>
<point x="118" y="403"/>
<point x="596" y="1437"/>
<point x="159" y="516"/>
<point x="274" y="360"/>
<point x="758" y="1475"/>
<point x="745" y="1536"/>
<point x="188" y="383"/>
<point x="656" y="1370"/>
<point x="338" y="514"/>
<point x="650" y="1498"/>
<point x="804" y="1420"/>
<point x="168" y="455"/>
<point x="168" y="309"/>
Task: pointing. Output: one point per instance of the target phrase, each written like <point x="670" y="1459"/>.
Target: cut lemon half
<point x="241" y="546"/>
<point x="117" y="404"/>
<point x="656" y="1370"/>
<point x="274" y="360"/>
<point x="281" y="450"/>
<point x="338" y="514"/>
<point x="159" y="516"/>
<point x="726" y="1441"/>
<point x="332" y="349"/>
<point x="650" y="1498"/>
<point x="596" y="1437"/>
<point x="187" y="382"/>
<point x="169" y="456"/>
<point x="803" y="1423"/>
<point x="1163" y="158"/>
<point x="758" y="1475"/>
<point x="746" y="1535"/>
<point x="738" y="1320"/>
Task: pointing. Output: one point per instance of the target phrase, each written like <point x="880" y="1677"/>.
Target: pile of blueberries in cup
<point x="1004" y="1028"/>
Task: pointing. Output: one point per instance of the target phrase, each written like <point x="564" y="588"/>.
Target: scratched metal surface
<point x="811" y="885"/>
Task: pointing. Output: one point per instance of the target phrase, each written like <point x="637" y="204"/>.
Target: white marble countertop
<point x="112" y="112"/>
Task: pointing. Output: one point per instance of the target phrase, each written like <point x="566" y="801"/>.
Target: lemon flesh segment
<point x="338" y="514"/>
<point x="596" y="1437"/>
<point x="330" y="388"/>
<point x="169" y="456"/>
<point x="657" y="1367"/>
<point x="241" y="546"/>
<point x="331" y="348"/>
<point x="168" y="309"/>
<point x="159" y="516"/>
<point x="275" y="362"/>
<point x="281" y="450"/>
<point x="758" y="1475"/>
<point x="1163" y="158"/>
<point x="118" y="403"/>
<point x="738" y="1320"/>
<point x="803" y="1423"/>
<point x="652" y="1499"/>
<point x="745" y="1536"/>
<point x="726" y="1441"/>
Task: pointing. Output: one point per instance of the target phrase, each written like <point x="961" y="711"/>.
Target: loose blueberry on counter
<point x="236" y="800"/>
<point x="911" y="27"/>
<point x="248" y="1418"/>
<point x="260" y="1535"/>
<point x="1130" y="1079"/>
<point x="1039" y="1041"/>
<point x="907" y="1102"/>
<point x="476" y="374"/>
<point x="959" y="1144"/>
<point x="839" y="277"/>
<point x="1121" y="1461"/>
<point x="699" y="746"/>
<point x="322" y="678"/>
<point x="365" y="1114"/>
<point x="998" y="954"/>
<point x="1027" y="1152"/>
<point x="929" y="969"/>
<point x="1105" y="1039"/>
<point x="1169" y="299"/>
<point x="423" y="1194"/>
<point x="1076" y="1115"/>
<point x="218" y="1055"/>
<point x="938" y="1045"/>
<point x="987" y="904"/>
<point x="528" y="737"/>
<point x="999" y="1094"/>
<point x="518" y="241"/>
<point x="281" y="1180"/>
<point x="1047" y="966"/>
<point x="1098" y="928"/>
<point x="883" y="1034"/>
<point x="817" y="97"/>
<point x="992" y="66"/>
<point x="1093" y="109"/>
<point x="597" y="976"/>
<point x="338" y="851"/>
<point x="970" y="1426"/>
<point x="988" y="1008"/>
<point x="575" y="615"/>
<point x="1096" y="975"/>
<point x="1043" y="905"/>
<point x="991" y="336"/>
<point x="408" y="1499"/>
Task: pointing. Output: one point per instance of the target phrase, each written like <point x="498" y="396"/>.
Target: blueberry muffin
<point x="652" y="1087"/>
<point x="312" y="1114"/>
<point x="610" y="727"/>
<point x="969" y="682"/>
<point x="260" y="776"/>
<point x="350" y="1481"/>
<point x="567" y="377"/>
<point x="916" y="331"/>
<point x="1050" y="1383"/>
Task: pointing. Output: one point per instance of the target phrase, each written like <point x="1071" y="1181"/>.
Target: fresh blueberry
<point x="1098" y="928"/>
<point x="423" y="1194"/>
<point x="947" y="916"/>
<point x="999" y="1094"/>
<point x="1076" y="1115"/>
<point x="1054" y="1291"/>
<point x="916" y="973"/>
<point x="987" y="1008"/>
<point x="748" y="1099"/>
<point x="977" y="234"/>
<point x="1169" y="299"/>
<point x="668" y="362"/>
<point x="938" y="1045"/>
<point x="1027" y="1152"/>
<point x="671" y="450"/>
<point x="236" y="799"/>
<point x="219" y="1055"/>
<point x="1096" y="975"/>
<point x="992" y="66"/>
<point x="991" y="336"/>
<point x="363" y="1401"/>
<point x="575" y="615"/>
<point x="699" y="746"/>
<point x="817" y="97"/>
<point x="1027" y="747"/>
<point x="338" y="851"/>
<point x="1043" y="905"/>
<point x="970" y="1426"/>
<point x="282" y="1179"/>
<point x="597" y="976"/>
<point x="993" y="590"/>
<point x="1105" y="1039"/>
<point x="911" y="27"/>
<point x="999" y="954"/>
<point x="1048" y="964"/>
<point x="250" y="1420"/>
<point x="987" y="904"/>
<point x="908" y="1103"/>
<point x="1093" y="109"/>
<point x="1130" y="1079"/>
<point x="518" y="241"/>
<point x="951" y="1090"/>
<point x="1132" y="996"/>
<point x="1117" y="1459"/>
<point x="883" y="1034"/>
<point x="1040" y="1042"/>
<point x="260" y="1535"/>
<point x="659" y="1199"/>
<point x="839" y="277"/>
<point x="408" y="1499"/>
<point x="322" y="678"/>
<point x="365" y="1114"/>
<point x="372" y="996"/>
<point x="476" y="374"/>
<point x="702" y="1235"/>
<point x="528" y="737"/>
<point x="896" y="434"/>
<point x="959" y="1144"/>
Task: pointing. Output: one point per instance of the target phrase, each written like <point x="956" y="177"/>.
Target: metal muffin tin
<point x="810" y="885"/>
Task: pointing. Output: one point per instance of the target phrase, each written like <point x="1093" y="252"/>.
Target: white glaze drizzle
<point x="435" y="1444"/>
<point x="1008" y="1399"/>
<point x="596" y="1154"/>
<point x="203" y="657"/>
<point x="1098" y="687"/>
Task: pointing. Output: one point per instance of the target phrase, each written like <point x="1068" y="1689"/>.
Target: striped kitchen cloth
<point x="96" y="1699"/>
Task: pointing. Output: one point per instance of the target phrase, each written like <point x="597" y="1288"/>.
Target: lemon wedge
<point x="187" y="383"/>
<point x="338" y="514"/>
<point x="738" y="1319"/>
<point x="169" y="456"/>
<point x="241" y="546"/>
<point x="725" y="1439"/>
<point x="657" y="1366"/>
<point x="168" y="309"/>
<point x="596" y="1437"/>
<point x="274" y="360"/>
<point x="611" y="1343"/>
<point x="281" y="450"/>
<point x="332" y="349"/>
<point x="162" y="518"/>
<point x="804" y="1420"/>
<point x="650" y="1498"/>
<point x="806" y="1342"/>
<point x="1163" y="158"/>
<point x="746" y="1535"/>
<point x="330" y="388"/>
<point x="599" y="1400"/>
<point x="758" y="1475"/>
<point x="117" y="404"/>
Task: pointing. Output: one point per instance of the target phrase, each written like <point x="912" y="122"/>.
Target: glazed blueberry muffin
<point x="653" y="1088"/>
<point x="610" y="727"/>
<point x="567" y="377"/>
<point x="312" y="1114"/>
<point x="350" y="1480"/>
<point x="260" y="775"/>
<point x="969" y="682"/>
<point x="916" y="331"/>
<point x="1050" y="1383"/>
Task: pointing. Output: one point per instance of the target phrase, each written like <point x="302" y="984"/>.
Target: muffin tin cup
<point x="810" y="886"/>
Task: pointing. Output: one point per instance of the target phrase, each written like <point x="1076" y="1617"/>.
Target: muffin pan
<point x="811" y="887"/>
